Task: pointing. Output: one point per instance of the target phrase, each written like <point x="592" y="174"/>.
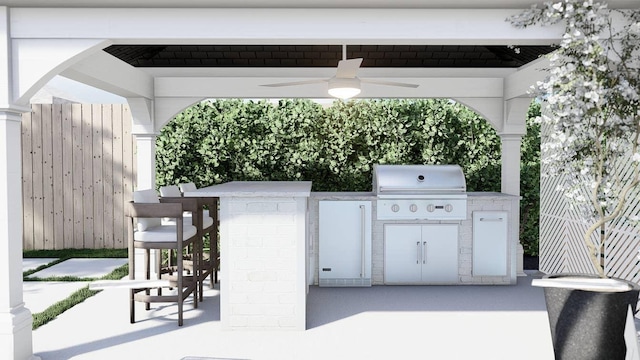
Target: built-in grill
<point x="425" y="192"/>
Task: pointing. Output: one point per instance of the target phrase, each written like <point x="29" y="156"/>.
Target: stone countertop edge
<point x="370" y="194"/>
<point x="255" y="189"/>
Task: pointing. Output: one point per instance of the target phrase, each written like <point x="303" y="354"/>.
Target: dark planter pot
<point x="589" y="324"/>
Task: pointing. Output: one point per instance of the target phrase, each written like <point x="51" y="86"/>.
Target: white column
<point x="15" y="318"/>
<point x="146" y="161"/>
<point x="511" y="163"/>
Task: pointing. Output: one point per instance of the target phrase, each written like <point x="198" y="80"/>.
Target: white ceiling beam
<point x="250" y="87"/>
<point x="279" y="26"/>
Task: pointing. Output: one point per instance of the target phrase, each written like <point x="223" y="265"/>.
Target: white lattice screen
<point x="562" y="248"/>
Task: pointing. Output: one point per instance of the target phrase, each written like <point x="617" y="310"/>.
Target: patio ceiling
<point x="387" y="56"/>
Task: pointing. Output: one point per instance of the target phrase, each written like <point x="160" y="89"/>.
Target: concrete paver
<point x="82" y="268"/>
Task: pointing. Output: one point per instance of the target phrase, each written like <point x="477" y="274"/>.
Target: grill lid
<point x="418" y="179"/>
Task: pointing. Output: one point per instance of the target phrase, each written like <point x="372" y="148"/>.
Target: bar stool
<point x="211" y="264"/>
<point x="146" y="231"/>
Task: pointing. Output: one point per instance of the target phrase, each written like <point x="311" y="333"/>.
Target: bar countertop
<point x="255" y="189"/>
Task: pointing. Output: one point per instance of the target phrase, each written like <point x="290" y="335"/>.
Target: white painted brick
<point x="238" y="298"/>
<point x="262" y="207"/>
<point x="262" y="276"/>
<point x="278" y="287"/>
<point x="287" y="298"/>
<point x="261" y="230"/>
<point x="262" y="253"/>
<point x="286" y="230"/>
<point x="239" y="275"/>
<point x="287" y="207"/>
<point x="247" y="287"/>
<point x="263" y="322"/>
<point x="279" y="310"/>
<point x="245" y="264"/>
<point x="262" y="298"/>
<point x="237" y="207"/>
<point x="246" y="309"/>
<point x="287" y="321"/>
<point x="238" y="321"/>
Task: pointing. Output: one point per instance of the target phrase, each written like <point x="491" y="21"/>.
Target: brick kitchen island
<point x="263" y="252"/>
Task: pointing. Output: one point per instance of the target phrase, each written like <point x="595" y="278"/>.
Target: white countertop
<point x="255" y="189"/>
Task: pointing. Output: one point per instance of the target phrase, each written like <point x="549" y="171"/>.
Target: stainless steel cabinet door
<point x="402" y="254"/>
<point x="345" y="239"/>
<point x="490" y="243"/>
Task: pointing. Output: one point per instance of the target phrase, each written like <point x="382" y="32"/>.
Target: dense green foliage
<point x="335" y="147"/>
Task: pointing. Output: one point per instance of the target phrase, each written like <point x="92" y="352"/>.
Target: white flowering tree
<point x="592" y="97"/>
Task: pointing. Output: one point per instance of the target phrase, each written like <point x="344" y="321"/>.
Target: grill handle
<point x="418" y="189"/>
<point x="418" y="253"/>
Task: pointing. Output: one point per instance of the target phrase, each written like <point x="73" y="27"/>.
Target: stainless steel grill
<point x="428" y="192"/>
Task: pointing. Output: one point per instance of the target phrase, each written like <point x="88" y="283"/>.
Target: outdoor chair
<point x="147" y="232"/>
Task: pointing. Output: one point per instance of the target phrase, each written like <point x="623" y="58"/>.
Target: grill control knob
<point x="413" y="207"/>
<point x="448" y="208"/>
<point x="431" y="208"/>
<point x="395" y="207"/>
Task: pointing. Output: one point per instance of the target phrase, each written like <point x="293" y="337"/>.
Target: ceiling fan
<point x="345" y="84"/>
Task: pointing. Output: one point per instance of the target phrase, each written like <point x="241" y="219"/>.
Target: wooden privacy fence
<point x="78" y="169"/>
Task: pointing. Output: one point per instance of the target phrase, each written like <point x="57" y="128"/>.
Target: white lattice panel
<point x="562" y="248"/>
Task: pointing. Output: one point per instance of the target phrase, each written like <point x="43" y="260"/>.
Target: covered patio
<point x="382" y="322"/>
<point x="95" y="42"/>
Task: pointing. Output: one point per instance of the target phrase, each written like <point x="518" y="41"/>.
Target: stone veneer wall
<point x="476" y="202"/>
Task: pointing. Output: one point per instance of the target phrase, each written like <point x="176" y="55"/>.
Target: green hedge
<point x="335" y="147"/>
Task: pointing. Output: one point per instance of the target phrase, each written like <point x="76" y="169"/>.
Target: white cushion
<point x="187" y="187"/>
<point x="146" y="197"/>
<point x="164" y="233"/>
<point x="170" y="191"/>
<point x="206" y="219"/>
<point x="186" y="220"/>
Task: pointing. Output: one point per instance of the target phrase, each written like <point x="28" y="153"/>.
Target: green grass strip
<point x="77" y="297"/>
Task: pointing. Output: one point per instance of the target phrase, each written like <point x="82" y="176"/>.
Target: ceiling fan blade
<point x="348" y="68"/>
<point x="390" y="83"/>
<point x="294" y="83"/>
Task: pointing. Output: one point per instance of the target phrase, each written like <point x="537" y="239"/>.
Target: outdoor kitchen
<point x="418" y="226"/>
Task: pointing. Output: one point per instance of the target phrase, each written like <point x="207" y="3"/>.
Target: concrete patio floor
<point x="381" y="322"/>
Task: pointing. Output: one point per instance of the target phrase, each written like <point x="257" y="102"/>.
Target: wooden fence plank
<point x="118" y="178"/>
<point x="107" y="175"/>
<point x="47" y="177"/>
<point x="37" y="178"/>
<point x="57" y="166"/>
<point x="78" y="157"/>
<point x="27" y="182"/>
<point x="129" y="166"/>
<point x="98" y="190"/>
<point x="67" y="175"/>
<point x="87" y="175"/>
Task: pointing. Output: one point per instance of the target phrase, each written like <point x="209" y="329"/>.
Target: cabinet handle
<point x="491" y="219"/>
<point x="424" y="254"/>
<point x="419" y="252"/>
<point x="363" y="219"/>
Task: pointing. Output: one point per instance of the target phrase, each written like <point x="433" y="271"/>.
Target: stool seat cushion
<point x="164" y="233"/>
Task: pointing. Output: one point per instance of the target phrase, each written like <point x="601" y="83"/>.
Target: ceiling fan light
<point x="344" y="88"/>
